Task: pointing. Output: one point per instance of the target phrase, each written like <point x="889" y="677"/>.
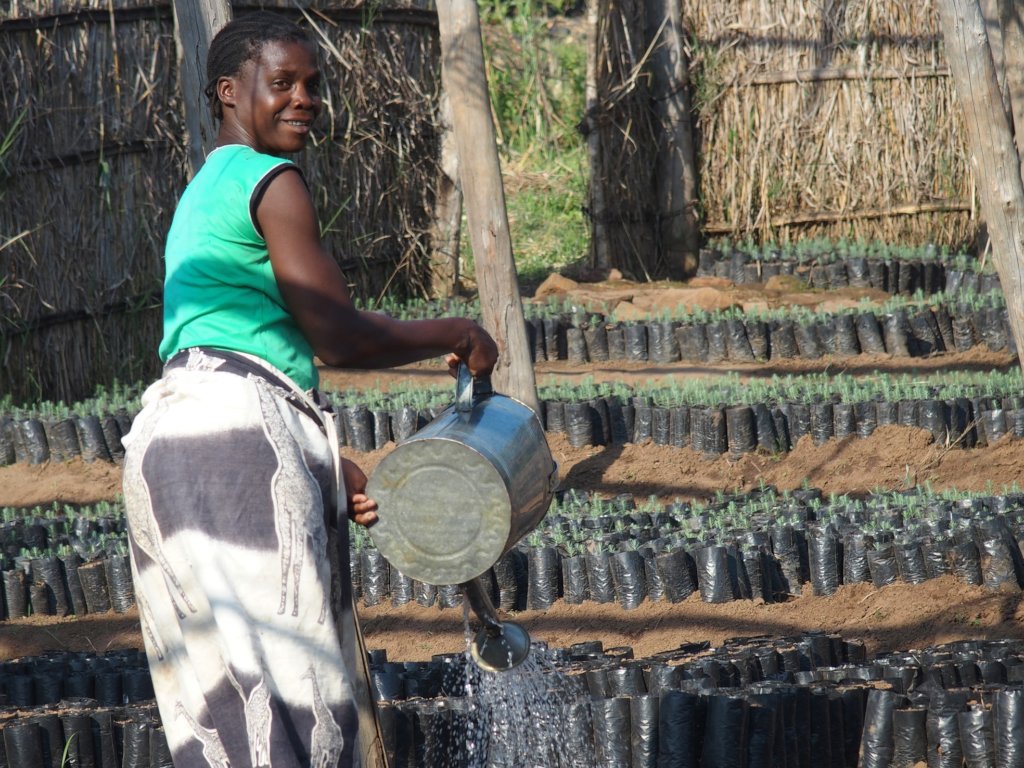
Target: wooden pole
<point x="990" y="12"/>
<point x="1011" y="18"/>
<point x="465" y="81"/>
<point x="369" y="738"/>
<point x="676" y="171"/>
<point x="995" y="158"/>
<point x="447" y="219"/>
<point x="196" y="22"/>
<point x="599" y="251"/>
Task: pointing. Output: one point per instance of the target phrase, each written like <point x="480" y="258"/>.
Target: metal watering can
<point x="461" y="492"/>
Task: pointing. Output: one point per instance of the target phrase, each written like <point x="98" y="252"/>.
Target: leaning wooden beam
<point x="501" y="308"/>
<point x="991" y="141"/>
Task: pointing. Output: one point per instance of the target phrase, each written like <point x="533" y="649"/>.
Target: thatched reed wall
<point x="833" y="119"/>
<point x="836" y="119"/>
<point x="93" y="157"/>
<point x="91" y="169"/>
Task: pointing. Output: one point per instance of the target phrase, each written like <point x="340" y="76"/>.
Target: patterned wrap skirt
<point x="231" y="488"/>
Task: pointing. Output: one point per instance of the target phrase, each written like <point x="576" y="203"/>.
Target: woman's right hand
<point x="478" y="351"/>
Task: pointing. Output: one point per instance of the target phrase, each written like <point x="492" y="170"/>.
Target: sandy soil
<point x="898" y="617"/>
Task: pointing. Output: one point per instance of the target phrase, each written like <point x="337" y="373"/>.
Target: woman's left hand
<point x="361" y="508"/>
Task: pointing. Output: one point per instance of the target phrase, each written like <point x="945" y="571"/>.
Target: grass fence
<point x="824" y="120"/>
<point x="93" y="159"/>
<point x="836" y="119"/>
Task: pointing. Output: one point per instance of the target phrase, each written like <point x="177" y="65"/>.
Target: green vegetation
<point x="536" y="66"/>
<point x="728" y="389"/>
<point x="105" y="400"/>
<point x="688" y="523"/>
<point x="579" y="521"/>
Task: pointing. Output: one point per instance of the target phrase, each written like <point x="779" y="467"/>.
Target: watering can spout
<point x="498" y="646"/>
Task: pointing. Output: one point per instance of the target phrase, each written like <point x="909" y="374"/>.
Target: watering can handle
<point x="467" y="387"/>
<point x="463" y="389"/>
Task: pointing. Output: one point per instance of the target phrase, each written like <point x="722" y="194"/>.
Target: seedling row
<point x="714" y="416"/>
<point x="815" y="699"/>
<point x="763" y="545"/>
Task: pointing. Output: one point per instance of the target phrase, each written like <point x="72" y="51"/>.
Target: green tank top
<point x="219" y="288"/>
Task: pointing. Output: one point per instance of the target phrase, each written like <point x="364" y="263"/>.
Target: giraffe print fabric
<point x="230" y="492"/>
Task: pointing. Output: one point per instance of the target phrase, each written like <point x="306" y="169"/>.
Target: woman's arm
<point x="315" y="292"/>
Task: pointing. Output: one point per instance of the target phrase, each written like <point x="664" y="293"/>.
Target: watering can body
<point x="462" y="491"/>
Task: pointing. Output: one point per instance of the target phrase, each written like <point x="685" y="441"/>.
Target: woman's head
<point x="264" y="83"/>
<point x="241" y="41"/>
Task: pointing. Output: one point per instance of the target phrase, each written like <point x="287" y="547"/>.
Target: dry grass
<point x="834" y="120"/>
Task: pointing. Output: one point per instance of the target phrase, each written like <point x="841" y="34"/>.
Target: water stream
<point x="532" y="716"/>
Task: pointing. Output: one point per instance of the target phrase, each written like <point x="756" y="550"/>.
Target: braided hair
<point x="240" y="41"/>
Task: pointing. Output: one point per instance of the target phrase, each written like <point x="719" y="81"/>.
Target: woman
<point x="231" y="473"/>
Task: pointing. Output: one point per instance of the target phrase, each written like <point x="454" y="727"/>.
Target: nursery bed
<point x="895" y="618"/>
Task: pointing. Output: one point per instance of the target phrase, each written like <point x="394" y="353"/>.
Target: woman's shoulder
<point x="228" y="180"/>
<point x="243" y="157"/>
<point x="236" y="167"/>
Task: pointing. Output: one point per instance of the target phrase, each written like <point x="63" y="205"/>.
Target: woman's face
<point x="272" y="103"/>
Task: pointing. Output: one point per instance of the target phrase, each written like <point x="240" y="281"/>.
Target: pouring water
<point x="498" y="646"/>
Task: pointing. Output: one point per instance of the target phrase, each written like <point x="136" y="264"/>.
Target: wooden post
<point x="196" y="22"/>
<point x="990" y="12"/>
<point x="599" y="251"/>
<point x="1011" y="19"/>
<point x="995" y="158"/>
<point x="447" y="219"/>
<point x="369" y="738"/>
<point x="676" y="174"/>
<point x="465" y="81"/>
